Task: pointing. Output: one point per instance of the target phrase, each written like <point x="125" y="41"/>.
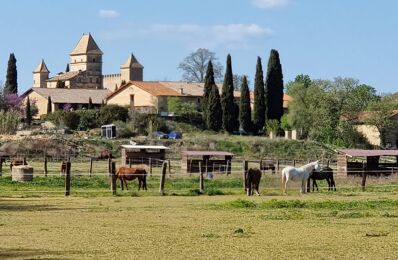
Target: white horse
<point x="299" y="174"/>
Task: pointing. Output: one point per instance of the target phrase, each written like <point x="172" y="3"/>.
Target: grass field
<point x="38" y="222"/>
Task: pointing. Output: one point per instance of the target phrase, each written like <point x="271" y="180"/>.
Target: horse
<point x="267" y="166"/>
<point x="17" y="163"/>
<point x="253" y="177"/>
<point x="63" y="168"/>
<point x="324" y="173"/>
<point x="298" y="174"/>
<point x="105" y="154"/>
<point x="128" y="174"/>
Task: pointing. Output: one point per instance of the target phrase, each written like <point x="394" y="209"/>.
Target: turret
<point x="132" y="70"/>
<point x="40" y="75"/>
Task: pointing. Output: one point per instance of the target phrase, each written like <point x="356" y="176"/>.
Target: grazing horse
<point x="298" y="174"/>
<point x="17" y="163"/>
<point x="128" y="174"/>
<point x="253" y="177"/>
<point x="324" y="173"/>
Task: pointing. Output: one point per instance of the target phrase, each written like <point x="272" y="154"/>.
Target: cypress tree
<point x="229" y="110"/>
<point x="67" y="68"/>
<point x="49" y="106"/>
<point x="245" y="112"/>
<point x="28" y="112"/>
<point x="214" y="119"/>
<point x="11" y="86"/>
<point x="209" y="82"/>
<point x="274" y="87"/>
<point x="90" y="103"/>
<point x="259" y="98"/>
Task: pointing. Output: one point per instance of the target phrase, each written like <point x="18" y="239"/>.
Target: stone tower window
<point x="94" y="60"/>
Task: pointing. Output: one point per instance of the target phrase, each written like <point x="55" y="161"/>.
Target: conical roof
<point x="86" y="45"/>
<point x="41" y="68"/>
<point x="131" y="62"/>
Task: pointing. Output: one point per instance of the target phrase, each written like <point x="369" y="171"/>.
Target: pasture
<point x="37" y="221"/>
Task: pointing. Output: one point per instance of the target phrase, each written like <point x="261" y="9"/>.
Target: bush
<point x="63" y="118"/>
<point x="72" y="120"/>
<point x="124" y="130"/>
<point x="88" y="119"/>
<point x="9" y="122"/>
<point x="112" y="113"/>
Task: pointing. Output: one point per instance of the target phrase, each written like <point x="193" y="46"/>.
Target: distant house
<point x="152" y="96"/>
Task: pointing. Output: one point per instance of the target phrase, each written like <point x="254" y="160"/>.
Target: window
<point x="94" y="60"/>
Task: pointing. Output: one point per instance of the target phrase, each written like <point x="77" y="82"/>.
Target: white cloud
<point x="195" y="36"/>
<point x="269" y="4"/>
<point x="108" y="13"/>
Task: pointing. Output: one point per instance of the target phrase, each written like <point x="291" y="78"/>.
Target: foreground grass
<point x="212" y="227"/>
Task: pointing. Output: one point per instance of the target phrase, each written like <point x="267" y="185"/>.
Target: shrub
<point x="112" y="113"/>
<point x="124" y="130"/>
<point x="9" y="122"/>
<point x="72" y="120"/>
<point x="88" y="119"/>
<point x="64" y="118"/>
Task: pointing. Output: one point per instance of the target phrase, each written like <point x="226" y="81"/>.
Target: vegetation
<point x="230" y="113"/>
<point x="9" y="122"/>
<point x="209" y="82"/>
<point x="11" y="85"/>
<point x="179" y="106"/>
<point x="28" y="113"/>
<point x="214" y="117"/>
<point x="195" y="64"/>
<point x="259" y="112"/>
<point x="112" y="113"/>
<point x="244" y="108"/>
<point x="49" y="105"/>
<point x="274" y="87"/>
<point x="272" y="125"/>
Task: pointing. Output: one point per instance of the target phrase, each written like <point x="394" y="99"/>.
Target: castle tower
<point x="131" y="70"/>
<point x="87" y="56"/>
<point x="40" y="75"/>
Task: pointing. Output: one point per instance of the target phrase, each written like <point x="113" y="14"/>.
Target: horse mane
<point x="308" y="166"/>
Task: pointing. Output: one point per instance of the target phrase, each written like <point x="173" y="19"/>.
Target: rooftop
<point x="72" y="96"/>
<point x="206" y="153"/>
<point x="86" y="45"/>
<point x="367" y="153"/>
<point x="156" y="147"/>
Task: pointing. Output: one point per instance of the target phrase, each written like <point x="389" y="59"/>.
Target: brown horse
<point x="105" y="154"/>
<point x="17" y="163"/>
<point x="324" y="173"/>
<point x="253" y="177"/>
<point x="266" y="165"/>
<point x="128" y="174"/>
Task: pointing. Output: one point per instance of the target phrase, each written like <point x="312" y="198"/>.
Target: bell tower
<point x="132" y="70"/>
<point x="40" y="75"/>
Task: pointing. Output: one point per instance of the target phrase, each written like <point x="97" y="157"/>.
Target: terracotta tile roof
<point x="155" y="88"/>
<point x="65" y="76"/>
<point x="86" y="45"/>
<point x="366" y="153"/>
<point x="72" y="96"/>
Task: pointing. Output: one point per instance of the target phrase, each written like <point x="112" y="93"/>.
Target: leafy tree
<point x="229" y="111"/>
<point x="259" y="98"/>
<point x="272" y="125"/>
<point x="49" y="105"/>
<point x="285" y="123"/>
<point x="178" y="106"/>
<point x="90" y="103"/>
<point x="214" y="118"/>
<point x="274" y="87"/>
<point x="112" y="113"/>
<point x="209" y="82"/>
<point x="195" y="64"/>
<point x="244" y="108"/>
<point x="28" y="112"/>
<point x="11" y="85"/>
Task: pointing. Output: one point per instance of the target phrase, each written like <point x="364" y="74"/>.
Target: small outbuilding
<point x="108" y="131"/>
<point x="355" y="161"/>
<point x="151" y="155"/>
<point x="210" y="161"/>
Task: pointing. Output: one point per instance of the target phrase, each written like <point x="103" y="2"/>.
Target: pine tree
<point x="90" y="103"/>
<point x="274" y="87"/>
<point x="214" y="119"/>
<point x="229" y="109"/>
<point x="209" y="82"/>
<point x="28" y="112"/>
<point x="67" y="68"/>
<point x="259" y="98"/>
<point x="11" y="86"/>
<point x="245" y="112"/>
<point x="49" y="105"/>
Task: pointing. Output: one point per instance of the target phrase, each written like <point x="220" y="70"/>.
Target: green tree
<point x="11" y="86"/>
<point x="90" y="103"/>
<point x="245" y="112"/>
<point x="214" y="119"/>
<point x="209" y="82"/>
<point x="259" y="98"/>
<point x="28" y="112"/>
<point x="272" y="125"/>
<point x="274" y="87"/>
<point x="179" y="107"/>
<point x="49" y="105"/>
<point x="229" y="110"/>
<point x="112" y="113"/>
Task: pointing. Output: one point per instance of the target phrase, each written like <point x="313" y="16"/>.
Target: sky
<point x="323" y="39"/>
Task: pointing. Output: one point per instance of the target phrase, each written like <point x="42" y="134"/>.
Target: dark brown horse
<point x="17" y="163"/>
<point x="325" y="173"/>
<point x="253" y="177"/>
<point x="267" y="165"/>
<point x="128" y="174"/>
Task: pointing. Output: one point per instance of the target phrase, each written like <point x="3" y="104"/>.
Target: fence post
<point x="150" y="166"/>
<point x="294" y="163"/>
<point x="169" y="164"/>
<point x="67" y="179"/>
<point x="201" y="182"/>
<point x="328" y="163"/>
<point x="45" y="165"/>
<point x="277" y="165"/>
<point x="91" y="166"/>
<point x="109" y="166"/>
<point x="363" y="178"/>
<point x="1" y="166"/>
<point x="113" y="176"/>
<point x="163" y="178"/>
<point x="130" y="162"/>
<point x="245" y="169"/>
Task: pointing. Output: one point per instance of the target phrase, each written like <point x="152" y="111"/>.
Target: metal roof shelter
<point x="151" y="155"/>
<point x="346" y="163"/>
<point x="192" y="159"/>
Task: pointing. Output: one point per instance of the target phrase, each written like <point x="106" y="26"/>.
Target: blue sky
<point x="324" y="39"/>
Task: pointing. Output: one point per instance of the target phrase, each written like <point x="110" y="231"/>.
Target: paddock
<point x="206" y="161"/>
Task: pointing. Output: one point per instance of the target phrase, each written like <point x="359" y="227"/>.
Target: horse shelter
<point x="151" y="155"/>
<point x="373" y="162"/>
<point x="206" y="161"/>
